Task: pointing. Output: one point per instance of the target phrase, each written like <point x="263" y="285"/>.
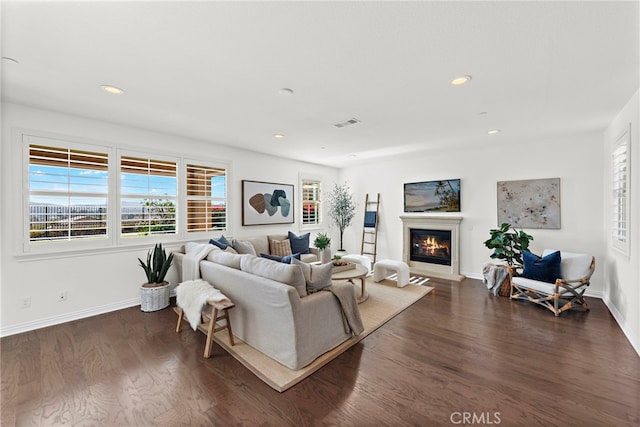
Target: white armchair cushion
<point x="573" y="266"/>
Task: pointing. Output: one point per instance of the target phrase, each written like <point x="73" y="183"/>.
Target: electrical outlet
<point x="62" y="296"/>
<point x="25" y="302"/>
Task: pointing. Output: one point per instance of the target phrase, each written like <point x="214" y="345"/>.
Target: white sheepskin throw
<point x="192" y="296"/>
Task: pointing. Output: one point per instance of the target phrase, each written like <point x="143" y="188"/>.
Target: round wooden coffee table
<point x="360" y="272"/>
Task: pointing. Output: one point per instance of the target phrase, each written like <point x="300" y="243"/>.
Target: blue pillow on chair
<point x="222" y="242"/>
<point x="299" y="243"/>
<point x="545" y="269"/>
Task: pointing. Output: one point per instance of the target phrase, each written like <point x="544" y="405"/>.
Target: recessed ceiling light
<point x="278" y="135"/>
<point x="285" y="91"/>
<point x="494" y="131"/>
<point x="459" y="81"/>
<point x="112" y="89"/>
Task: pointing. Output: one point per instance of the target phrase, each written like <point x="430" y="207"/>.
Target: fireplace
<point x="431" y="245"/>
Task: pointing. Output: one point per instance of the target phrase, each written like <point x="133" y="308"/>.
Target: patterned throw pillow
<point x="280" y="247"/>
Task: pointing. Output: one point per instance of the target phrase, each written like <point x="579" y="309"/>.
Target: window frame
<point x="124" y="240"/>
<point x="196" y="235"/>
<point x="47" y="246"/>
<point x="620" y="222"/>
<point x="25" y="250"/>
<point x="319" y="223"/>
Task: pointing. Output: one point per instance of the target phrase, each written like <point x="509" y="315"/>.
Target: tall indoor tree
<point x="342" y="208"/>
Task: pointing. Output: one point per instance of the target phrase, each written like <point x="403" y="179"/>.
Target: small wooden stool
<point x="207" y="325"/>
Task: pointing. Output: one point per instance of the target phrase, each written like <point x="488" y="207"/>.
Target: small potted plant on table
<point x="154" y="295"/>
<point x="323" y="243"/>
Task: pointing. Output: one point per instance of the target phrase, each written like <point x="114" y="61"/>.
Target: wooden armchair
<point x="568" y="290"/>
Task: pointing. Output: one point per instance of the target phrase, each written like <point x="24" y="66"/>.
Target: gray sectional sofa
<point x="274" y="313"/>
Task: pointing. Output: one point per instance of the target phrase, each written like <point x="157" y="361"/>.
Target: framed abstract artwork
<point x="267" y="203"/>
<point x="532" y="203"/>
<point x="432" y="196"/>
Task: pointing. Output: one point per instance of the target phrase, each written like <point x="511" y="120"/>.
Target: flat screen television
<point x="432" y="196"/>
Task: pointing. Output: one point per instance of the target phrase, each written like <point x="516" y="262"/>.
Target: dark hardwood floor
<point x="457" y="357"/>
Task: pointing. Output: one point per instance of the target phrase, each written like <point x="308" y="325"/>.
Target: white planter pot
<point x="156" y="298"/>
<point x="325" y="255"/>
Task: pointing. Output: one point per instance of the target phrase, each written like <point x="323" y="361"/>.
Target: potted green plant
<point x="342" y="208"/>
<point x="508" y="244"/>
<point x="323" y="243"/>
<point x="154" y="295"/>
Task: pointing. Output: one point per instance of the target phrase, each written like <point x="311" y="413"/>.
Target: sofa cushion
<point x="220" y="242"/>
<point x="280" y="247"/>
<point x="243" y="247"/>
<point x="543" y="269"/>
<point x="573" y="266"/>
<point x="317" y="276"/>
<point x="299" y="244"/>
<point x="285" y="273"/>
<point x="285" y="259"/>
<point x="225" y="258"/>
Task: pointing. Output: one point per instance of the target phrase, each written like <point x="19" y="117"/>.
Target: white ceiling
<point x="212" y="70"/>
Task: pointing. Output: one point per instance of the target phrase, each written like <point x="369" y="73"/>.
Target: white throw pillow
<point x="225" y="258"/>
<point x="317" y="276"/>
<point x="243" y="247"/>
<point x="280" y="272"/>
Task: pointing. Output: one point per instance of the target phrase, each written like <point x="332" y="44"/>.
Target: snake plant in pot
<point x="154" y="295"/>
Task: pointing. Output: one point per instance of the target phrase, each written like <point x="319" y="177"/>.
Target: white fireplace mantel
<point x="433" y="222"/>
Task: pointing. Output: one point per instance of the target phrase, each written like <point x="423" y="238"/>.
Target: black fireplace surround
<point x="431" y="246"/>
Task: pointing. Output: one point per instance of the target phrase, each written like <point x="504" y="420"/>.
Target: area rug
<point x="385" y="301"/>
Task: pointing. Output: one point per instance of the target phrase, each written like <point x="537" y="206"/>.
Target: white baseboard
<point x="67" y="317"/>
<point x="633" y="339"/>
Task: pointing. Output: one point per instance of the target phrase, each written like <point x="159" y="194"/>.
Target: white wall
<point x="621" y="272"/>
<point x="575" y="159"/>
<point x="107" y="280"/>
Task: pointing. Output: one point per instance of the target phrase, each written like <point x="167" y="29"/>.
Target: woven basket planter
<point x="154" y="299"/>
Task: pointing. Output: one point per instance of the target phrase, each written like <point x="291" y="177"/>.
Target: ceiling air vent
<point x="346" y="123"/>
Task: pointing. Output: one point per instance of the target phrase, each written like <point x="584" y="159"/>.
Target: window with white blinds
<point x="620" y="192"/>
<point x="206" y="189"/>
<point x="68" y="193"/>
<point x="148" y="196"/>
<point x="310" y="202"/>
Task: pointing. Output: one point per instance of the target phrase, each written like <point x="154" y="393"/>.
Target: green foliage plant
<point x="508" y="244"/>
<point x="157" y="265"/>
<point x="342" y="208"/>
<point x="322" y="241"/>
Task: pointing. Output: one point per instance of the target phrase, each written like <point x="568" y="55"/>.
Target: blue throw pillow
<point x="222" y="243"/>
<point x="545" y="269"/>
<point x="284" y="259"/>
<point x="299" y="243"/>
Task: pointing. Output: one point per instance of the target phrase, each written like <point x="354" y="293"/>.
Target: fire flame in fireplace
<point x="432" y="247"/>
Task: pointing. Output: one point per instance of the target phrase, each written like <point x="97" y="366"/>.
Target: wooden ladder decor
<point x="370" y="228"/>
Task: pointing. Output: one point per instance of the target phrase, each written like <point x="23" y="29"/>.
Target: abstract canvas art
<point x="532" y="203"/>
<point x="266" y="203"/>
